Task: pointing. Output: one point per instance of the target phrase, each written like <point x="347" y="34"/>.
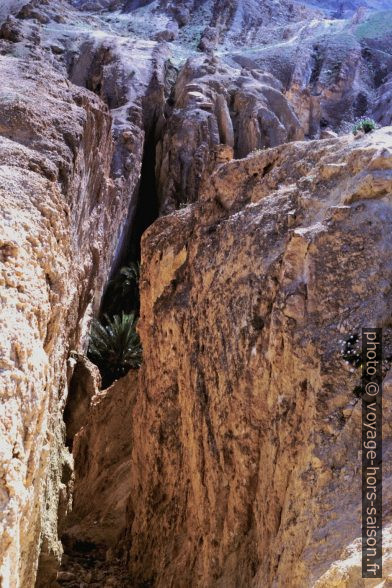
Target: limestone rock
<point x="102" y="451"/>
<point x="214" y="104"/>
<point x="60" y="224"/>
<point x="246" y="429"/>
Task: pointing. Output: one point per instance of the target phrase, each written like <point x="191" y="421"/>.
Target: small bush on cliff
<point x="115" y="346"/>
<point x="367" y="125"/>
<point x="351" y="351"/>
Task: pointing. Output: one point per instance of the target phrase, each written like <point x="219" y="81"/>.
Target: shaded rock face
<point x="247" y="430"/>
<point x="214" y="105"/>
<point x="130" y="78"/>
<point x="85" y="382"/>
<point x="383" y="111"/>
<point x="94" y="536"/>
<point x="101" y="451"/>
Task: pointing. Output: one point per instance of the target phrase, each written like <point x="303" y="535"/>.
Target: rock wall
<point x="216" y="105"/>
<point x="59" y="231"/>
<point x="102" y="452"/>
<point x="238" y="448"/>
<point x="71" y="162"/>
<point x="247" y="427"/>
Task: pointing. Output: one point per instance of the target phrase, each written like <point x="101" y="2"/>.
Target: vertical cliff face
<point x="55" y="157"/>
<point x="247" y="427"/>
<point x="68" y="181"/>
<point x="103" y="469"/>
<point x="231" y="458"/>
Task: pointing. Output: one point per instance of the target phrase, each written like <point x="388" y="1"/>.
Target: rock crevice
<point x="214" y="141"/>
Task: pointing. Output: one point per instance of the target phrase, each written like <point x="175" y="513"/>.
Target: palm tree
<point x="115" y="346"/>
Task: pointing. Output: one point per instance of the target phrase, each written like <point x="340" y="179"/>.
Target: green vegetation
<point x="114" y="343"/>
<point x="367" y="125"/>
<point x="115" y="346"/>
<point x="376" y="26"/>
<point x="350" y="350"/>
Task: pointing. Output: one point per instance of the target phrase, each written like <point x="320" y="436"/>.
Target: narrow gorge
<point x="238" y="152"/>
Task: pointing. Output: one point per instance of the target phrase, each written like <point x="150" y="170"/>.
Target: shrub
<point x="115" y="346"/>
<point x="351" y="351"/>
<point x="367" y="125"/>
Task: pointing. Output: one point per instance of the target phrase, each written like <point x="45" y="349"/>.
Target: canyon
<point x="212" y="139"/>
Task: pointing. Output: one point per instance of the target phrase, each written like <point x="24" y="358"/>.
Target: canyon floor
<point x="212" y="141"/>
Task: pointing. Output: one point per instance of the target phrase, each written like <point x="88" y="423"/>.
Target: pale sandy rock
<point x="56" y="250"/>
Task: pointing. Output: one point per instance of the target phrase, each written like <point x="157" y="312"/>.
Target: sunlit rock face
<point x="247" y="428"/>
<point x="55" y="158"/>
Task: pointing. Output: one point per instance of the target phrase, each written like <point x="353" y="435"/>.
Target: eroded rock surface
<point x="241" y="436"/>
<point x="101" y="451"/>
<point x="213" y="105"/>
<point x="63" y="212"/>
<point x="55" y="156"/>
<point x="247" y="431"/>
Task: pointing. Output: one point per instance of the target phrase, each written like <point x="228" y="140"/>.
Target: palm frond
<point x="115" y="345"/>
<point x="123" y="290"/>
